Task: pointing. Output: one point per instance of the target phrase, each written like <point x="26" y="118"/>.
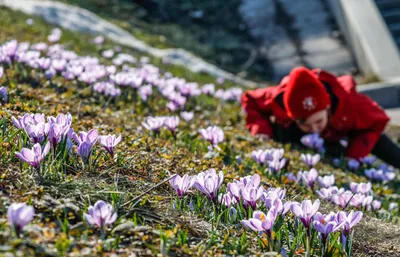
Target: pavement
<point x="394" y="114"/>
<point x="306" y="40"/>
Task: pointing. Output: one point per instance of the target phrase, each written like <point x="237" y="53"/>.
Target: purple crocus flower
<point x="327" y="193"/>
<point x="37" y="132"/>
<point x="362" y="188"/>
<point x="324" y="193"/>
<point x="227" y="199"/>
<point x="393" y="206"/>
<point x="100" y="215"/>
<point x="238" y="159"/>
<point x="277" y="207"/>
<point x="208" y="89"/>
<point x="309" y="177"/>
<point x="336" y="162"/>
<point x="59" y="64"/>
<point x="154" y="123"/>
<point x="360" y="200"/>
<point x="50" y="73"/>
<point x="271" y="194"/>
<point x="41" y="46"/>
<point x="326" y="224"/>
<point x="55" y="135"/>
<point x="108" y="53"/>
<point x="172" y="106"/>
<point x="63" y="120"/>
<point x="310" y="160"/>
<point x="262" y="156"/>
<point x="187" y="116"/>
<point x="1" y="70"/>
<point x="236" y="186"/>
<point x="27" y="119"/>
<point x="326" y="181"/>
<point x="44" y="63"/>
<point x="305" y="211"/>
<point x="84" y="150"/>
<point x="209" y="182"/>
<point x="251" y="192"/>
<point x="220" y="80"/>
<point x="313" y="141"/>
<point x="342" y="199"/>
<point x="55" y="35"/>
<point x="98" y="40"/>
<point x="90" y="137"/>
<point x="277" y="163"/>
<point x="33" y="156"/>
<point x="368" y="160"/>
<point x="376" y="205"/>
<point x="349" y="221"/>
<point x="145" y="92"/>
<point x="171" y="123"/>
<point x="214" y="135"/>
<point x="353" y="164"/>
<point x="9" y="49"/>
<point x="109" y="142"/>
<point x="261" y="222"/>
<point x="19" y="215"/>
<point x="182" y="184"/>
<point x="3" y="94"/>
<point x="291" y="177"/>
<point x="232" y="214"/>
<point x="29" y="21"/>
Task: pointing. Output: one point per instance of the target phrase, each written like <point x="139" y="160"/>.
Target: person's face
<point x="316" y="123"/>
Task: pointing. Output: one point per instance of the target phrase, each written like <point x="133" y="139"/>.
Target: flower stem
<point x="308" y="254"/>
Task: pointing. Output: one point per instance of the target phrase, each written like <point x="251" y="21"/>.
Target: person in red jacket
<point x="315" y="101"/>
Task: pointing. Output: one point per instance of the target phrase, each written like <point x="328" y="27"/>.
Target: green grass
<point x="143" y="161"/>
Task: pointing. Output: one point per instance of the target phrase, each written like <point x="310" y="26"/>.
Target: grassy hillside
<point x="151" y="219"/>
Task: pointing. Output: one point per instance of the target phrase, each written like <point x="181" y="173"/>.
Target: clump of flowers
<point x="380" y="175"/>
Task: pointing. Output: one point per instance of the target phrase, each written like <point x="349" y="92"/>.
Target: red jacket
<point x="357" y="116"/>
